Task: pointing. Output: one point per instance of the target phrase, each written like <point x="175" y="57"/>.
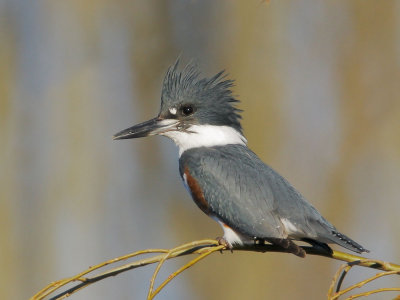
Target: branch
<point x="344" y="270"/>
<point x="202" y="248"/>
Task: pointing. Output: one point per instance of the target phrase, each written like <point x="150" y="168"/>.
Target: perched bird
<point x="227" y="180"/>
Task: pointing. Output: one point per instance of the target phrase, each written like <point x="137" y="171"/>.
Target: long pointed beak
<point x="150" y="127"/>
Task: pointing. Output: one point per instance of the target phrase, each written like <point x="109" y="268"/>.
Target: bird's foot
<point x="258" y="241"/>
<point x="222" y="241"/>
<point x="319" y="246"/>
<point x="289" y="246"/>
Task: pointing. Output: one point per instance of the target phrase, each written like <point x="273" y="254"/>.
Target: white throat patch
<point x="205" y="136"/>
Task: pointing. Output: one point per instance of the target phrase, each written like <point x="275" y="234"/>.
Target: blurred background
<point x="319" y="83"/>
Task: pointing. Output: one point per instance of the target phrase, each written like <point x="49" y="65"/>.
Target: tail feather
<point x="347" y="242"/>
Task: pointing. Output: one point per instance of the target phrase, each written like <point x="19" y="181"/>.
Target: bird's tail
<point x="346" y="242"/>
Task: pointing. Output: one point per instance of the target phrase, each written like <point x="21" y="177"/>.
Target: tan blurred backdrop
<point x="320" y="85"/>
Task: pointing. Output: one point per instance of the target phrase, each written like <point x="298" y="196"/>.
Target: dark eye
<point x="187" y="110"/>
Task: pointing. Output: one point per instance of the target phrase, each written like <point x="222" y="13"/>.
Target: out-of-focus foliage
<point x="319" y="83"/>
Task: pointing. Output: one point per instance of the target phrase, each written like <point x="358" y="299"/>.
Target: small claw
<point x="222" y="241"/>
<point x="258" y="241"/>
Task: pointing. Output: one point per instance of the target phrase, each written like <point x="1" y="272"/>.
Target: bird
<point x="251" y="201"/>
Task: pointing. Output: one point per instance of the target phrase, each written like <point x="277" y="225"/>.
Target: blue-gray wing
<point x="231" y="184"/>
<point x="248" y="196"/>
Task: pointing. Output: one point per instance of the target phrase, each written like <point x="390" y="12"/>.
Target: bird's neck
<point x="205" y="136"/>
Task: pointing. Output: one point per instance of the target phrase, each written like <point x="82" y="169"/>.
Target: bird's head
<point x="194" y="112"/>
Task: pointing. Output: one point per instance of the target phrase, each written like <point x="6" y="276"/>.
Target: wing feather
<point x="253" y="199"/>
<point x="236" y="192"/>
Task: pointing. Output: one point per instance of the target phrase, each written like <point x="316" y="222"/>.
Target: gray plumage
<point x="212" y="97"/>
<point x="252" y="198"/>
<point x="226" y="179"/>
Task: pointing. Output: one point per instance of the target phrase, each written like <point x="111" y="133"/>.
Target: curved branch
<point x="203" y="248"/>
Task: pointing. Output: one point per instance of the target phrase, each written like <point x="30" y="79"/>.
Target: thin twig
<point x="161" y="262"/>
<point x="183" y="268"/>
<point x="344" y="269"/>
<point x="365" y="294"/>
<point x="337" y="281"/>
<point x="364" y="282"/>
<point x="203" y="248"/>
<point x="79" y="277"/>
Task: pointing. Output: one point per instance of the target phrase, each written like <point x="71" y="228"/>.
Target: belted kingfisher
<point x="226" y="180"/>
